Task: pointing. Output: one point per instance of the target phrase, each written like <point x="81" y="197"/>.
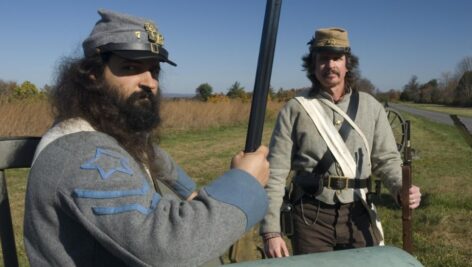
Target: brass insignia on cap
<point x="330" y="42"/>
<point x="154" y="35"/>
<point x="137" y="34"/>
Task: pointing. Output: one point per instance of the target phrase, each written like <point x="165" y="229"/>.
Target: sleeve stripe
<point x="84" y="193"/>
<point x="128" y="207"/>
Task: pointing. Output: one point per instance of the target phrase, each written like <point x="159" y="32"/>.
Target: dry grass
<point x="186" y="114"/>
<point x="33" y="117"/>
<point x="24" y="118"/>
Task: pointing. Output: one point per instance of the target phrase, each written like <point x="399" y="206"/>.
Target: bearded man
<point x="102" y="193"/>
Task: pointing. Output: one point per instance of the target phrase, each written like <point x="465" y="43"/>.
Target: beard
<point x="129" y="120"/>
<point x="140" y="110"/>
<point x="136" y="114"/>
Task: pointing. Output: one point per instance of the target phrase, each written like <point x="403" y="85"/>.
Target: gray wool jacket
<point x="296" y="145"/>
<point x="88" y="203"/>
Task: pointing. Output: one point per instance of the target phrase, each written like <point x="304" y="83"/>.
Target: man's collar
<point x="320" y="93"/>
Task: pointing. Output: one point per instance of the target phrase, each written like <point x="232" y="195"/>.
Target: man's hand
<point x="255" y="163"/>
<point x="415" y="197"/>
<point x="275" y="247"/>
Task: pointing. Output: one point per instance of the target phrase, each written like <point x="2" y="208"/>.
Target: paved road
<point x="434" y="116"/>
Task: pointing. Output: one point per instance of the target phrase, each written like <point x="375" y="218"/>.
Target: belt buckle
<point x="339" y="182"/>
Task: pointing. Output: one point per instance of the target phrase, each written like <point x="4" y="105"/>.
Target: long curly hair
<point x="80" y="91"/>
<point x="352" y="65"/>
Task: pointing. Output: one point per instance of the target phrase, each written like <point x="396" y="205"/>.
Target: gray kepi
<point x="127" y="36"/>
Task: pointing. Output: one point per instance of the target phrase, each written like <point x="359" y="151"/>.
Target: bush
<point x="204" y="91"/>
<point x="25" y="90"/>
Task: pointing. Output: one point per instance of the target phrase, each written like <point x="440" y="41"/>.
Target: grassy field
<point x="441" y="167"/>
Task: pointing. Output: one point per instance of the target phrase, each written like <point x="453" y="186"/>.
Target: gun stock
<point x="406" y="184"/>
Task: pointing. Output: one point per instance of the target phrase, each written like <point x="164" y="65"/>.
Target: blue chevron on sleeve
<point x="107" y="163"/>
<point x="128" y="207"/>
<point x="102" y="194"/>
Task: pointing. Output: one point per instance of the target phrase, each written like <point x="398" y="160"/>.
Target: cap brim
<point x="143" y="54"/>
<point x="333" y="49"/>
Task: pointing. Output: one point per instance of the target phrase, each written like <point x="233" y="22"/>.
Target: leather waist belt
<point x="341" y="182"/>
<point x="309" y="181"/>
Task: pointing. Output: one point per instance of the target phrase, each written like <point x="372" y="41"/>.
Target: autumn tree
<point x="285" y="95"/>
<point x="391" y="95"/>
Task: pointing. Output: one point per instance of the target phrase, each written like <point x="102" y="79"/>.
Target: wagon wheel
<point x="397" y="123"/>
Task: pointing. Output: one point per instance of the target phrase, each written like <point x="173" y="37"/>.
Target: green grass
<point x="204" y="154"/>
<point x="466" y="112"/>
<point x="16" y="182"/>
<point x="441" y="167"/>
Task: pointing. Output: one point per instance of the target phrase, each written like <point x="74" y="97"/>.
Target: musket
<point x="261" y="87"/>
<point x="263" y="73"/>
<point x="406" y="184"/>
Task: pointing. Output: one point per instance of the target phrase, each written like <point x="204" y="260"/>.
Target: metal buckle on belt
<point x="341" y="181"/>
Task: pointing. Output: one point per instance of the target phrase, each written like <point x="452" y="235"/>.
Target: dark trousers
<point x="320" y="227"/>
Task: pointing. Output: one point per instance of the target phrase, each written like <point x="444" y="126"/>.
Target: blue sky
<point x="217" y="41"/>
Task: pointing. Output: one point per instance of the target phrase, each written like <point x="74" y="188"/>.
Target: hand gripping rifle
<point x="406" y="184"/>
<point x="261" y="87"/>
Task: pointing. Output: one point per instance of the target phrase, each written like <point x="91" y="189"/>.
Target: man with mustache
<point x="332" y="155"/>
<point x="101" y="192"/>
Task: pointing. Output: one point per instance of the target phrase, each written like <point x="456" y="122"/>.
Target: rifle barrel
<point x="261" y="88"/>
<point x="263" y="73"/>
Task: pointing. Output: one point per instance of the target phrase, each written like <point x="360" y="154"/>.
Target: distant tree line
<point x="26" y="90"/>
<point x="204" y="92"/>
<point x="450" y="89"/>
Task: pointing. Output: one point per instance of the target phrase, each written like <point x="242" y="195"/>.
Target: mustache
<point x="142" y="99"/>
<point x="329" y="72"/>
<point x="142" y="94"/>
